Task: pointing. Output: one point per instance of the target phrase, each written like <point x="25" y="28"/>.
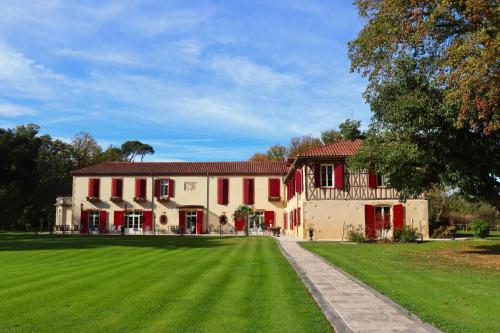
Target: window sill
<point x="164" y="198"/>
<point x="274" y="198"/>
<point x="139" y="199"/>
<point x="116" y="199"/>
<point x="93" y="199"/>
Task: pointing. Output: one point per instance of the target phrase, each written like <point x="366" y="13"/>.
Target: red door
<point x="370" y="221"/>
<point x="84" y="222"/>
<point x="119" y="217"/>
<point x="102" y="222"/>
<point x="398" y="214"/>
<point x="269" y="218"/>
<point x="239" y="224"/>
<point x="199" y="222"/>
<point x="148" y="221"/>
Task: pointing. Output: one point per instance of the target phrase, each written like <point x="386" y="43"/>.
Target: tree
<point x="351" y="129"/>
<point x="330" y="136"/>
<point x="244" y="212"/>
<point x="112" y="154"/>
<point x="132" y="149"/>
<point x="302" y="144"/>
<point x="85" y="150"/>
<point x="276" y="153"/>
<point x="259" y="157"/>
<point x="414" y="141"/>
<point x="456" y="43"/>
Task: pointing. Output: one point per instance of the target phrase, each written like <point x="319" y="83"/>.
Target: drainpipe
<point x="205" y="218"/>
<point x="153" y="203"/>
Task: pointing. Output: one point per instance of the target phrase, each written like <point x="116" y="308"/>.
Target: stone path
<point x="349" y="305"/>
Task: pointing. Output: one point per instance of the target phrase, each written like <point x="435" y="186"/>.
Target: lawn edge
<point x="337" y="323"/>
<point x="377" y="294"/>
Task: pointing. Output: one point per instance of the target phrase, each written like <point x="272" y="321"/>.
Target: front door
<point x="191" y="222"/>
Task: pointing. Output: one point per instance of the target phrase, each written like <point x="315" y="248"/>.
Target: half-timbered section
<point x="324" y="195"/>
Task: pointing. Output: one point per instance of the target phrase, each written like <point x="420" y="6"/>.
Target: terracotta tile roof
<point x="337" y="148"/>
<point x="186" y="168"/>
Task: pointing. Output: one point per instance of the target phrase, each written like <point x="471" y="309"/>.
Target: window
<point x="134" y="220"/>
<point x="248" y="191"/>
<point x="382" y="216"/>
<point x="94" y="219"/>
<point x="222" y="191"/>
<point x="274" y="188"/>
<point x="164" y="188"/>
<point x="117" y="188"/>
<point x="191" y="222"/>
<point x="94" y="187"/>
<point x="140" y="188"/>
<point x="256" y="222"/>
<point x="382" y="180"/>
<point x="327" y="175"/>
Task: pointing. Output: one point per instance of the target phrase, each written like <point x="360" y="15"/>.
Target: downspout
<point x="208" y="202"/>
<point x="153" y="203"/>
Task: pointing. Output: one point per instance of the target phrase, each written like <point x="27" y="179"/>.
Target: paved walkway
<point x="349" y="305"/>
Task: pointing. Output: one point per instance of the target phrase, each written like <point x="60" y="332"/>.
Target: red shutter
<point x="91" y="187"/>
<point x="113" y="187"/>
<point x="372" y="179"/>
<point x="97" y="187"/>
<point x="157" y="188"/>
<point x="239" y="224"/>
<point x="199" y="222"/>
<point x="248" y="191"/>
<point x="252" y="191"/>
<point x="298" y="216"/>
<point x="119" y="216"/>
<point x="398" y="216"/>
<point x="102" y="221"/>
<point x="171" y="188"/>
<point x="298" y="181"/>
<point x="269" y="218"/>
<point x="370" y="221"/>
<point x="285" y="221"/>
<point x="274" y="188"/>
<point x="226" y="191"/>
<point x="182" y="221"/>
<point x="339" y="175"/>
<point x="317" y="175"/>
<point x="143" y="188"/>
<point x="148" y="220"/>
<point x="137" y="188"/>
<point x="291" y="220"/>
<point x="220" y="191"/>
<point x="84" y="222"/>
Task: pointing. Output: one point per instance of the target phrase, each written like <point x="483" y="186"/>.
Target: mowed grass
<point x="151" y="284"/>
<point x="454" y="285"/>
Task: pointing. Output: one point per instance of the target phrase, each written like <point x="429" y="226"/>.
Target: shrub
<point x="480" y="228"/>
<point x="355" y="234"/>
<point x="409" y="235"/>
<point x="444" y="231"/>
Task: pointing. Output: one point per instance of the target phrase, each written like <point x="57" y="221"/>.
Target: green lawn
<point x="151" y="284"/>
<point x="455" y="285"/>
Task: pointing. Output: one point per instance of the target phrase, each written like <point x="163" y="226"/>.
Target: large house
<point x="315" y="191"/>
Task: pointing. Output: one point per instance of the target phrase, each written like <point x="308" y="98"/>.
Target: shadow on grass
<point x="485" y="249"/>
<point x="29" y="242"/>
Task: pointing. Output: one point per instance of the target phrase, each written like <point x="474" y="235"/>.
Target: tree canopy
<point x="456" y="43"/>
<point x="133" y="149"/>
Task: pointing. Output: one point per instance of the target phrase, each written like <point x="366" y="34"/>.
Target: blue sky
<point x="198" y="80"/>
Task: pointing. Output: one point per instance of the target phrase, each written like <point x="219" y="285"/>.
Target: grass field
<point x="151" y="284"/>
<point x="454" y="285"/>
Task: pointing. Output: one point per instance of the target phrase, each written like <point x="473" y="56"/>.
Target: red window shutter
<point x="148" y="220"/>
<point x="137" y="188"/>
<point x="91" y="187"/>
<point x="119" y="216"/>
<point x="372" y="178"/>
<point x="274" y="188"/>
<point x="298" y="216"/>
<point x="157" y="188"/>
<point x="199" y="222"/>
<point x="114" y="182"/>
<point x="102" y="221"/>
<point x="398" y="216"/>
<point x="370" y="221"/>
<point x="143" y="188"/>
<point x="291" y="220"/>
<point x="97" y="187"/>
<point x="226" y="191"/>
<point x="298" y="181"/>
<point x="317" y="175"/>
<point x="252" y="191"/>
<point x="84" y="222"/>
<point x="182" y="220"/>
<point x="248" y="191"/>
<point x="220" y="191"/>
<point x="285" y="221"/>
<point x="269" y="218"/>
<point x="171" y="188"/>
<point x="292" y="182"/>
<point x="339" y="175"/>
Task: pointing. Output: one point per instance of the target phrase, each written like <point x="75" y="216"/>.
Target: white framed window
<point x="134" y="220"/>
<point x="94" y="219"/>
<point x="191" y="222"/>
<point x="382" y="180"/>
<point x="164" y="188"/>
<point x="257" y="221"/>
<point x="327" y="175"/>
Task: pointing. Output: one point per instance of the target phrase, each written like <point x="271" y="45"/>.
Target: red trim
<point x="157" y="187"/>
<point x="171" y="188"/>
<point x="370" y="230"/>
<point x="222" y="191"/>
<point x="372" y="178"/>
<point x="269" y="218"/>
<point x="398" y="216"/>
<point x="274" y="188"/>
<point x="285" y="221"/>
<point x="298" y="181"/>
<point x="148" y="220"/>
<point x="298" y="216"/>
<point x="248" y="191"/>
<point x="339" y="175"/>
<point x="119" y="218"/>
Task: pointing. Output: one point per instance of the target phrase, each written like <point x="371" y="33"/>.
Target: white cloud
<point x="245" y="72"/>
<point x="15" y="111"/>
<point x="120" y="58"/>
